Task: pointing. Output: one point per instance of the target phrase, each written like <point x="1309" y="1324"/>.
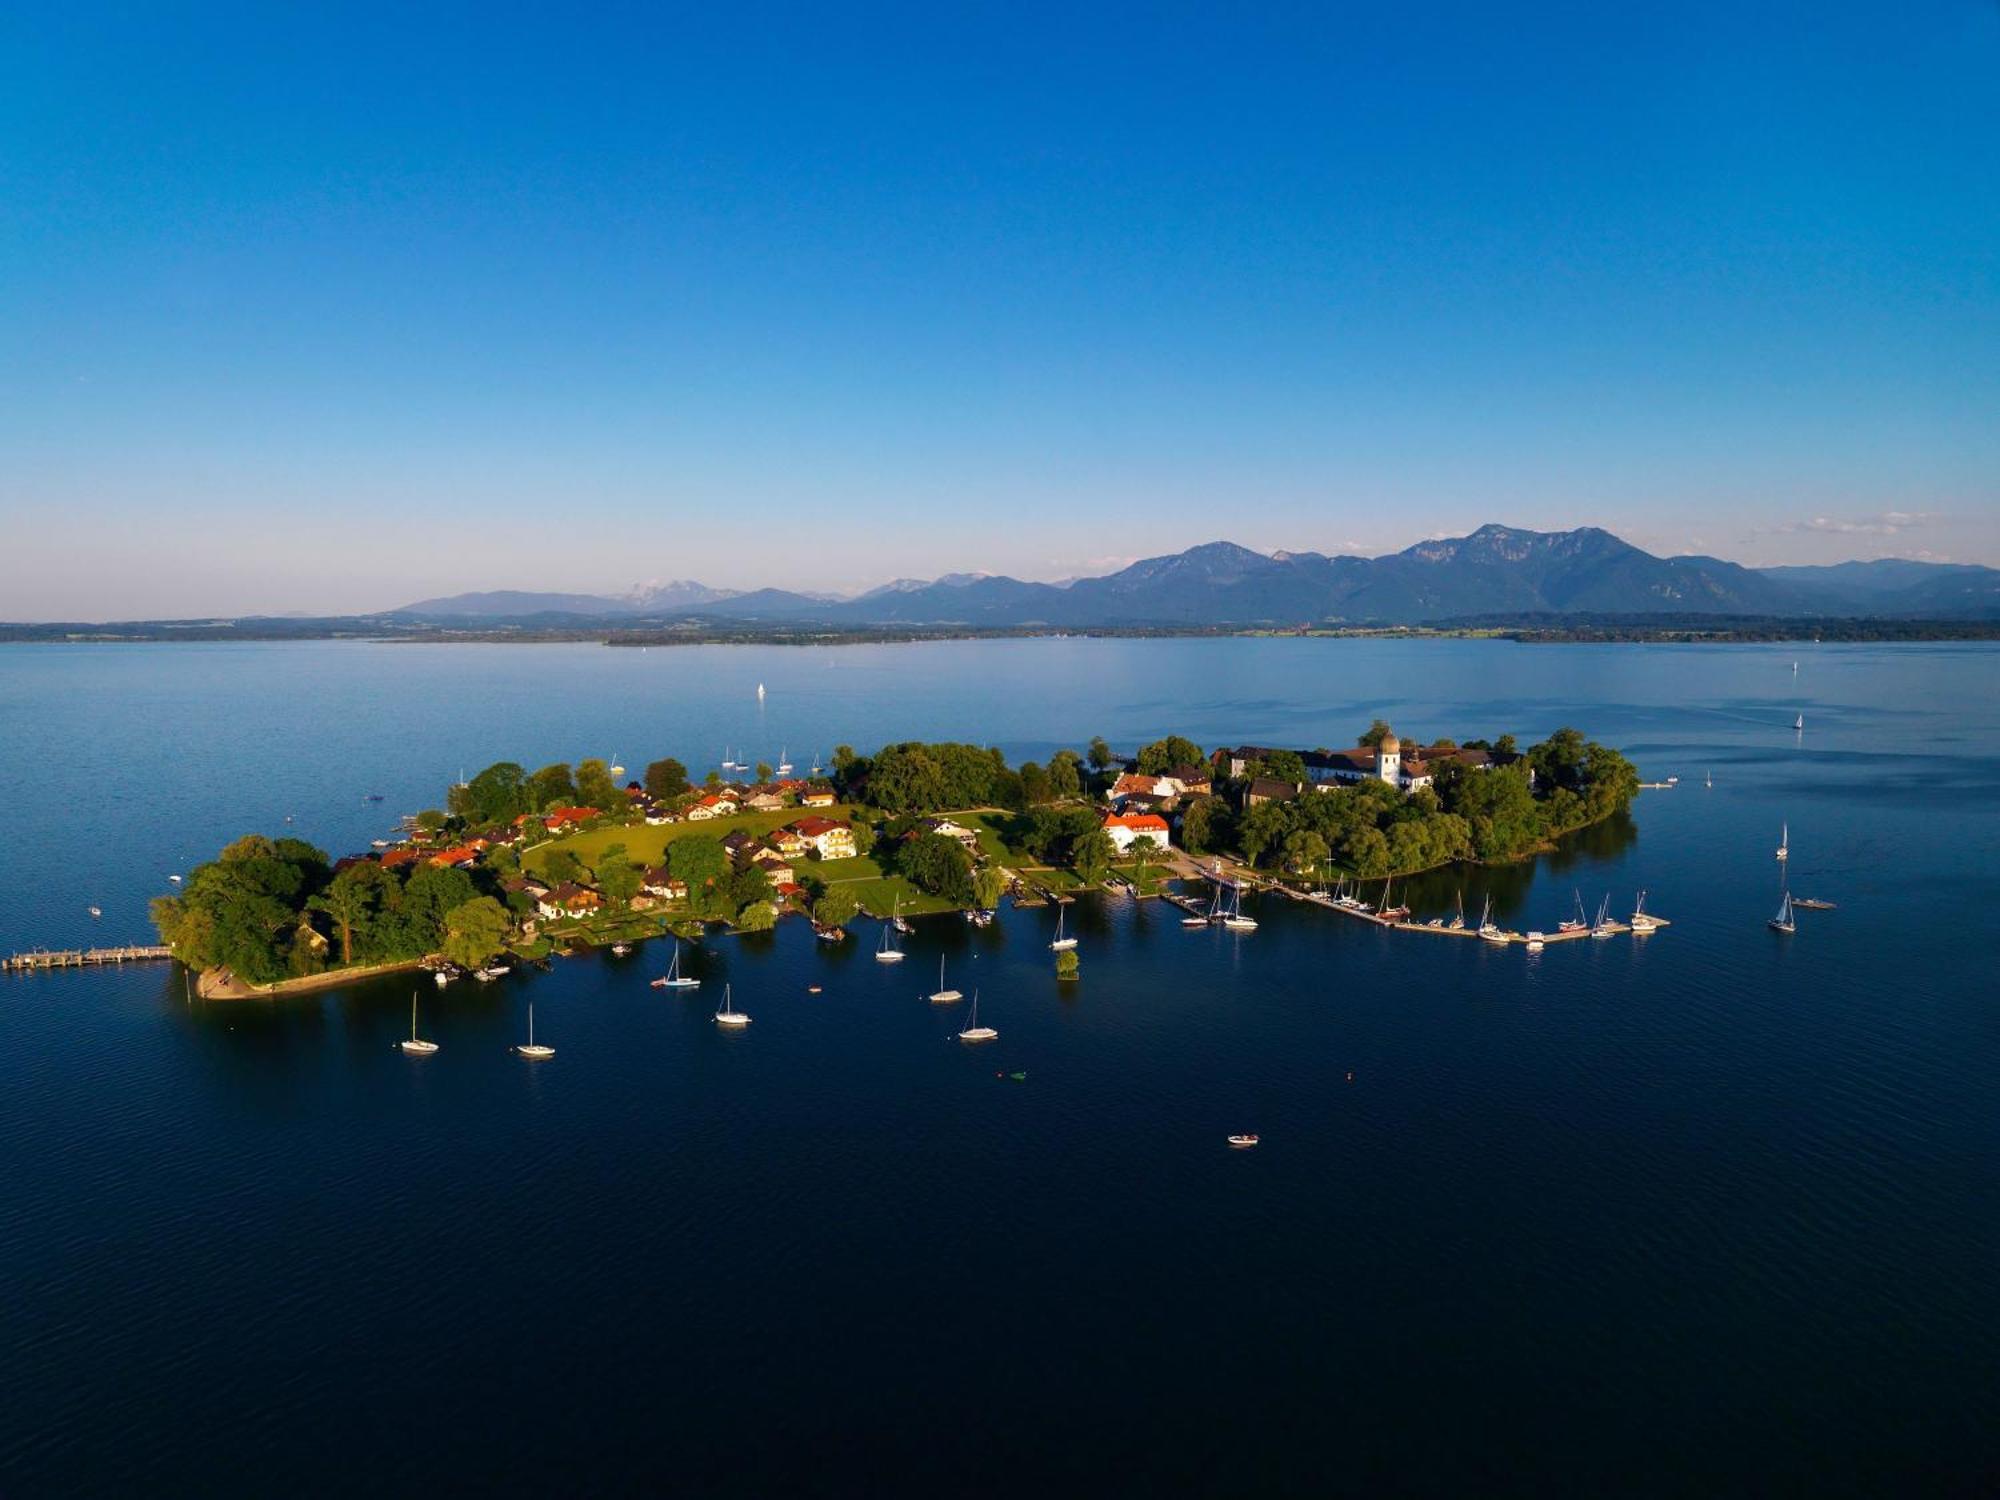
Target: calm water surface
<point x="1713" y="1212"/>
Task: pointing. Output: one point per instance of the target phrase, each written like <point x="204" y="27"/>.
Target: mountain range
<point x="1497" y="570"/>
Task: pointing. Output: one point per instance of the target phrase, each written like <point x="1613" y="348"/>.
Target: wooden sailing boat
<point x="530" y="1048"/>
<point x="416" y="1044"/>
<point x="1576" y="923"/>
<point x="972" y="1031"/>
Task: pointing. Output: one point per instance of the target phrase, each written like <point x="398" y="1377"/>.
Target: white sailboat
<point x="1234" y="919"/>
<point x="1457" y="922"/>
<point x="896" y="918"/>
<point x="1784" y="842"/>
<point x="1708" y="781"/>
<point x="1578" y="922"/>
<point x="1783" y="921"/>
<point x="888" y="953"/>
<point x="416" y="1045"/>
<point x="1061" y="943"/>
<point x="972" y="1031"/>
<point x="784" y="763"/>
<point x="1602" y="927"/>
<point x="531" y="1048"/>
<point x="674" y="979"/>
<point x="1799" y="723"/>
<point x="1641" y="923"/>
<point x="729" y="1015"/>
<point x="760" y="692"/>
<point x="941" y="995"/>
<point x="1488" y="928"/>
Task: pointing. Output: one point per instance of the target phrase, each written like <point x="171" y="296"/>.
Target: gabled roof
<point x="1137" y="822"/>
<point x="812" y="828"/>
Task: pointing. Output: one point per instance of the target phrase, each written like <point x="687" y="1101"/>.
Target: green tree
<point x="988" y="884"/>
<point x="1261" y="827"/>
<point x="475" y="932"/>
<point x="1067" y="966"/>
<point x="667" y="779"/>
<point x="1036" y="785"/>
<point x="1091" y="856"/>
<point x="763" y="770"/>
<point x="1305" y="851"/>
<point x="596" y="787"/>
<point x="428" y="897"/>
<point x="496" y="795"/>
<point x="430" y="822"/>
<point x="1204" y="825"/>
<point x="1285" y="765"/>
<point x="750" y="886"/>
<point x="1099" y="753"/>
<point x="561" y="866"/>
<point x="934" y="863"/>
<point x="1377" y="732"/>
<point x="836" y="908"/>
<point x="1166" y="754"/>
<point x="617" y="877"/>
<point x="354" y="900"/>
<point x="755" y="916"/>
<point x="552" y="786"/>
<point x="1065" y="774"/>
<point x="703" y="864"/>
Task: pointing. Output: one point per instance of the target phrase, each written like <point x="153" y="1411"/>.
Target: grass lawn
<point x="645" y="845"/>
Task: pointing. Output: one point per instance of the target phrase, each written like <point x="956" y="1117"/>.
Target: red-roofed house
<point x="1127" y="829"/>
<point x="826" y="838"/>
<point x="568" y="817"/>
<point x="396" y="858"/>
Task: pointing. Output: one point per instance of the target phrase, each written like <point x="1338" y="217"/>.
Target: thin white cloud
<point x="1888" y="523"/>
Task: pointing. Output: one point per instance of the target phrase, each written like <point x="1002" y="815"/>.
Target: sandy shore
<point x="220" y="984"/>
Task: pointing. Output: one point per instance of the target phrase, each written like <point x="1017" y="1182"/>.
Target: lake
<point x="1710" y="1212"/>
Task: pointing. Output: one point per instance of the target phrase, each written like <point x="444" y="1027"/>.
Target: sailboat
<point x="729" y="1015"/>
<point x="1387" y="912"/>
<point x="1799" y="723"/>
<point x="416" y="1044"/>
<point x="896" y="918"/>
<point x="1061" y="943"/>
<point x="1784" y="842"/>
<point x="1602" y="927"/>
<point x="1641" y="923"/>
<point x="531" y="1048"/>
<point x="760" y="692"/>
<point x="1783" y="921"/>
<point x="1234" y="919"/>
<point x="1577" y="922"/>
<point x="1488" y="928"/>
<point x="1215" y="912"/>
<point x="1457" y="922"/>
<point x="888" y="953"/>
<point x="616" y="769"/>
<point x="941" y="995"/>
<point x="972" y="1031"/>
<point x="674" y="979"/>
<point x="784" y="764"/>
<point x="1708" y="781"/>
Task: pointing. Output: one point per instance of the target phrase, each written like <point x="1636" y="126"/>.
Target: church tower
<point x="1389" y="759"/>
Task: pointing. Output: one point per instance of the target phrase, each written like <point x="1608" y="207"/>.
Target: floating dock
<point x="1404" y="924"/>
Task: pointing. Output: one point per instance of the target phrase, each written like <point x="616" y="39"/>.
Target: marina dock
<point x="1404" y="924"/>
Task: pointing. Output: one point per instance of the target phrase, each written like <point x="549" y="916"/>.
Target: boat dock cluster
<point x="1491" y="934"/>
<point x="76" y="958"/>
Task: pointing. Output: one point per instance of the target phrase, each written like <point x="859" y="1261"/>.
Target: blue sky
<point x="330" y="311"/>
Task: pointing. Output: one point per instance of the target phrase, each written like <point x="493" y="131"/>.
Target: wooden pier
<point x="77" y="958"/>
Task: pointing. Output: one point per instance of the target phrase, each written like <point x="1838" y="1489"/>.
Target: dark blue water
<point x="1712" y="1212"/>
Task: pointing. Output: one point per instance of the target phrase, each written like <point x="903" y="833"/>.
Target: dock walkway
<point x="76" y="958"/>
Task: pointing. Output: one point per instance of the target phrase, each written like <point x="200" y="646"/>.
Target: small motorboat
<point x="1534" y="942"/>
<point x="812" y="989"/>
<point x="621" y="949"/>
<point x="175" y="879"/>
<point x="97" y="911"/>
<point x="1243" y="1142"/>
<point x="1812" y="903"/>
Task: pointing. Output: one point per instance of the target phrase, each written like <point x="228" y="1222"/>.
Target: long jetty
<point x="1404" y="924"/>
<point x="77" y="958"/>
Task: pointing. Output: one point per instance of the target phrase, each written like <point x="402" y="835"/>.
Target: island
<point x="518" y="865"/>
